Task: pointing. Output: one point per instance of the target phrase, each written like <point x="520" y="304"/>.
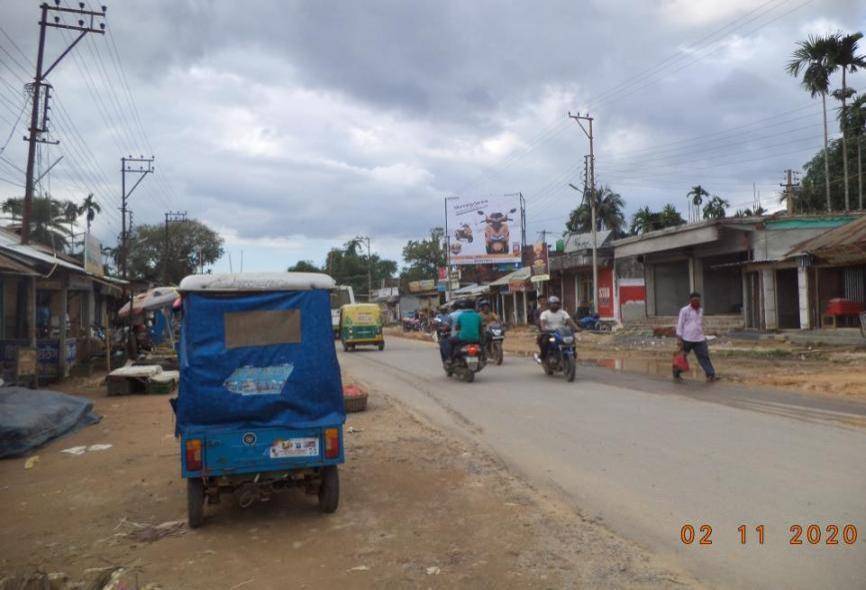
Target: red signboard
<point x="605" y="293"/>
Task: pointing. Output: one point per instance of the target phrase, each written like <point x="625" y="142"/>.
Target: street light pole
<point x="369" y="267"/>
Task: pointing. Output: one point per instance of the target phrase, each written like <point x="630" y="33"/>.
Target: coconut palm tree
<point x="90" y="208"/>
<point x="70" y="214"/>
<point x="47" y="220"/>
<point x="715" y="208"/>
<point x="610" y="206"/>
<point x="670" y="217"/>
<point x="695" y="198"/>
<point x="643" y="221"/>
<point x="813" y="58"/>
<point x="843" y="55"/>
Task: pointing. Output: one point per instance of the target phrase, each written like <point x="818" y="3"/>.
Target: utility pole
<point x="127" y="166"/>
<point x="790" y="185"/>
<point x="369" y="267"/>
<point x="86" y="23"/>
<point x="170" y="217"/>
<point x="592" y="200"/>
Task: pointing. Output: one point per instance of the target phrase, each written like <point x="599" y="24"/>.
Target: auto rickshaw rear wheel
<point x="195" y="501"/>
<point x="329" y="490"/>
<point x="382" y="345"/>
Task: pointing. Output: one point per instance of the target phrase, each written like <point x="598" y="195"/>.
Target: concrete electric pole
<point x="145" y="167"/>
<point x="170" y="217"/>
<point x="790" y="185"/>
<point x="592" y="201"/>
<point x="85" y="23"/>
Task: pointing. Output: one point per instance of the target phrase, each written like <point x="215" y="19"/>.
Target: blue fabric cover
<point x="209" y="393"/>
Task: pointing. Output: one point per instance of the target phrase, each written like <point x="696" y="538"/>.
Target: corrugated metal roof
<point x="521" y="274"/>
<point x="846" y="243"/>
<point x="8" y="264"/>
<point x="575" y="242"/>
<point x="9" y="242"/>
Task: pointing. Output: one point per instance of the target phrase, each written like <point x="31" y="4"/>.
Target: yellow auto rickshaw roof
<point x="360" y="307"/>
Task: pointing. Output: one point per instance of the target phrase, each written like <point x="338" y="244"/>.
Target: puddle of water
<point x="655" y="367"/>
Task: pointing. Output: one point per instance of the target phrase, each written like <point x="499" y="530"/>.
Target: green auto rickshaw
<point x="361" y="323"/>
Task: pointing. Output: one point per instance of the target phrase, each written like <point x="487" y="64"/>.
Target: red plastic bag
<point x="681" y="363"/>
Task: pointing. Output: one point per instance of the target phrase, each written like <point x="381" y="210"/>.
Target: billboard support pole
<point x="447" y="256"/>
<point x="522" y="223"/>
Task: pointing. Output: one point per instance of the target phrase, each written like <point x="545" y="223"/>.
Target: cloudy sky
<point x="293" y="126"/>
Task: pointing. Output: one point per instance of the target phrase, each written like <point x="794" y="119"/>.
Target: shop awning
<point x="521" y="274"/>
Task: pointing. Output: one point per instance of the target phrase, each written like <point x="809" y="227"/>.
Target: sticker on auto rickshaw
<point x="259" y="380"/>
<point x="295" y="447"/>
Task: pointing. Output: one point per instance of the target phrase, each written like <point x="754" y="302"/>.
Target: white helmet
<point x="552" y="299"/>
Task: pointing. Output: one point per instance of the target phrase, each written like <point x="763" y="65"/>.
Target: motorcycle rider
<point x="465" y="329"/>
<point x="552" y="319"/>
<point x="488" y="316"/>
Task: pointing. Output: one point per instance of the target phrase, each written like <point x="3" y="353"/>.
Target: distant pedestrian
<point x="690" y="334"/>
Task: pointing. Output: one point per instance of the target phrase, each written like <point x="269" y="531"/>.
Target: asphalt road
<point x="645" y="456"/>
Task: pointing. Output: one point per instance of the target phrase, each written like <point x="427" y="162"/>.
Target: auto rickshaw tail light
<point x="193" y="454"/>
<point x="332" y="443"/>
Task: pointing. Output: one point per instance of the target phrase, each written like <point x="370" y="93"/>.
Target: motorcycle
<point x="561" y="356"/>
<point x="493" y="337"/>
<point x="466" y="361"/>
<point x="463" y="233"/>
<point x="497" y="234"/>
<point x="593" y="323"/>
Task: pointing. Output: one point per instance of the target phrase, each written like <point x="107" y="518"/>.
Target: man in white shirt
<point x="551" y="319"/>
<point x="690" y="334"/>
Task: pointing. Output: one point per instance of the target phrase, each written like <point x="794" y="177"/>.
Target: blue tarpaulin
<point x="258" y="359"/>
<point x="31" y="417"/>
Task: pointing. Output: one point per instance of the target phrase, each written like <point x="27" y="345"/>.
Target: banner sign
<point x="92" y="256"/>
<point x="484" y="230"/>
<point x="422" y="286"/>
<point x="537" y="259"/>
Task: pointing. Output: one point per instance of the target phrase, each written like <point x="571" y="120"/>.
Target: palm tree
<point x="70" y="214"/>
<point x="670" y="217"/>
<point x="609" y="213"/>
<point x="812" y="58"/>
<point x="47" y="220"/>
<point x="643" y="221"/>
<point x="715" y="208"/>
<point x="90" y="208"/>
<point x="855" y="120"/>
<point x="695" y="198"/>
<point x="843" y="55"/>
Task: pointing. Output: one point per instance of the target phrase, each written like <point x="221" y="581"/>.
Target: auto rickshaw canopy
<point x="258" y="350"/>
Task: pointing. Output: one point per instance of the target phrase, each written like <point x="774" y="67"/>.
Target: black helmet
<point x="483" y="302"/>
<point x="464" y="304"/>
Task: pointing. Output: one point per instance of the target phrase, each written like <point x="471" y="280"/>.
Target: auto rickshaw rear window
<point x="262" y="328"/>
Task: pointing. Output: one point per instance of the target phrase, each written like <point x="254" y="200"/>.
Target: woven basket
<point x="355" y="403"/>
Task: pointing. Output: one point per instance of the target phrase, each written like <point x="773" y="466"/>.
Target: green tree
<point x="71" y="213"/>
<point x="809" y="198"/>
<point x="812" y="57"/>
<point x="855" y="121"/>
<point x="188" y="242"/>
<point x="608" y="216"/>
<point x="424" y="258"/>
<point x="89" y="208"/>
<point x="645" y="220"/>
<point x="47" y="220"/>
<point x="349" y="266"/>
<point x="843" y="55"/>
<point x="304" y="266"/>
<point x="716" y="208"/>
<point x="695" y="198"/>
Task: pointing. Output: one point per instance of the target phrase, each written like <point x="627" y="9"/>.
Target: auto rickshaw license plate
<point x="295" y="447"/>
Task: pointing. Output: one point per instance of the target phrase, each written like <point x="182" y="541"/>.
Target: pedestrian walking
<point x="690" y="335"/>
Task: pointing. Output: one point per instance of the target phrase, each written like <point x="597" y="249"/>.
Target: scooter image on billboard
<point x="497" y="233"/>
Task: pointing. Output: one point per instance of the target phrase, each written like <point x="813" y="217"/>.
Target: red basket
<point x="354" y="399"/>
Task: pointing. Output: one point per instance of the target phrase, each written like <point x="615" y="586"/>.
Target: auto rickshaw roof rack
<point x="257" y="281"/>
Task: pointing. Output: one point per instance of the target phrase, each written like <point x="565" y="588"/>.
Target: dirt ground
<point x="419" y="508"/>
<point x="823" y="371"/>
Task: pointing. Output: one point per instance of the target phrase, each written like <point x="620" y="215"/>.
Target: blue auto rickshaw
<point x="260" y="404"/>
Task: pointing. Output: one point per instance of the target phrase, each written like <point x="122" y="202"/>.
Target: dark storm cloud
<point x="278" y="119"/>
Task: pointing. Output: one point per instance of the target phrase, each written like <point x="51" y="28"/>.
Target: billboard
<point x="483" y="230"/>
<point x="537" y="261"/>
<point x="92" y="256"/>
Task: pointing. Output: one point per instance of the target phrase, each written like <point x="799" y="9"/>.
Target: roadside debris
<point x="359" y="568"/>
<point x="148" y="533"/>
<point x="81" y="449"/>
<point x="433" y="571"/>
<point x="31" y="462"/>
